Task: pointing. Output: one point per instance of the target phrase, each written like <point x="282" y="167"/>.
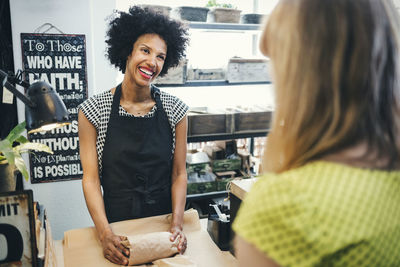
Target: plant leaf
<point x="22" y="140"/>
<point x="5" y="145"/>
<point x="16" y="132"/>
<point x="7" y="150"/>
<point x="33" y="146"/>
<point x="10" y="156"/>
<point x="20" y="164"/>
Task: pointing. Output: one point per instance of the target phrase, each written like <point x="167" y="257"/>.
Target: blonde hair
<point x="336" y="76"/>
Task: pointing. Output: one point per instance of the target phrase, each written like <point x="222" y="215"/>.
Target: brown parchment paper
<point x="82" y="247"/>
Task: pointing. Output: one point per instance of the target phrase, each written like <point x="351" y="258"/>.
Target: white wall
<point x="64" y="201"/>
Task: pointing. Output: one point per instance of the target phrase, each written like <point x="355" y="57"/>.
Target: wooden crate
<point x="252" y="121"/>
<point x="207" y="124"/>
<point x="248" y="70"/>
<point x="176" y="75"/>
<point x="206" y="74"/>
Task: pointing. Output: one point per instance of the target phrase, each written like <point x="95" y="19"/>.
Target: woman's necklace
<point x="138" y="109"/>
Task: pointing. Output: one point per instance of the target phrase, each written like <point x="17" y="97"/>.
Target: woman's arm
<point x="248" y="255"/>
<point x="92" y="191"/>
<point x="179" y="182"/>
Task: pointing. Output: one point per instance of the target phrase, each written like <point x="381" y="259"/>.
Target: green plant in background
<point x="213" y="3"/>
<point x="12" y="154"/>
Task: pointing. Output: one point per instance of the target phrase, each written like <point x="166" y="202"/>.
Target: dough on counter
<point x="150" y="247"/>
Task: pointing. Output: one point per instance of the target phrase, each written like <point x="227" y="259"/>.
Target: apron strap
<point x="155" y="92"/>
<point x="115" y="103"/>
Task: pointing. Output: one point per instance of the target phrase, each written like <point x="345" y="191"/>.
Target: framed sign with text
<point x="17" y="229"/>
<point x="60" y="60"/>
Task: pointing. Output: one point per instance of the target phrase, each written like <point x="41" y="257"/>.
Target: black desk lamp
<point x="44" y="108"/>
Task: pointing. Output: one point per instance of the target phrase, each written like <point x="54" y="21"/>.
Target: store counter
<point x="239" y="189"/>
<point x="81" y="247"/>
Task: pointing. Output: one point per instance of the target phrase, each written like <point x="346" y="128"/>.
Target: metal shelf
<point x="225" y="26"/>
<point x="198" y="83"/>
<point x="214" y="137"/>
<point x="207" y="195"/>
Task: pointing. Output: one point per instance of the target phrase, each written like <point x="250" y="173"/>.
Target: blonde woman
<point x="331" y="196"/>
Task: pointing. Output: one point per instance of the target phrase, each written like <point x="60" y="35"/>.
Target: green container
<point x="198" y="167"/>
<point x="226" y="165"/>
<point x="198" y="188"/>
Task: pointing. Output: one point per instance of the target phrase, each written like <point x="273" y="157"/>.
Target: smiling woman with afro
<point x="127" y="27"/>
<point x="132" y="137"/>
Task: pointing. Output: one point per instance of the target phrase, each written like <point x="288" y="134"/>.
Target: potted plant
<point x="252" y="18"/>
<point x="190" y="13"/>
<point x="10" y="156"/>
<point x="222" y="12"/>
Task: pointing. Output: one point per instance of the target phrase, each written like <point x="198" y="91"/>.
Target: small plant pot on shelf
<point x="165" y="10"/>
<point x="224" y="15"/>
<point x="8" y="177"/>
<point x="252" y="18"/>
<point x="190" y="13"/>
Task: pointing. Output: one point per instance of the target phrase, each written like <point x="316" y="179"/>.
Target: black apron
<point x="137" y="163"/>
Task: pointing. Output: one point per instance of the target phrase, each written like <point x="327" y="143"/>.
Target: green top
<point x="324" y="214"/>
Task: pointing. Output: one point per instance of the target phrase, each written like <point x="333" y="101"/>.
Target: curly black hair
<point x="126" y="28"/>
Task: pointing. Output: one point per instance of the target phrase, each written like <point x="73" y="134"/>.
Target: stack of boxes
<point x="214" y="167"/>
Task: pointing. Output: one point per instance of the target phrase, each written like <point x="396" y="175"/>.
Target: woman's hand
<point x="177" y="232"/>
<point x="113" y="250"/>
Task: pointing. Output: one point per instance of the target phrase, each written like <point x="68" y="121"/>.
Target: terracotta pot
<point x="8" y="175"/>
<point x="224" y="15"/>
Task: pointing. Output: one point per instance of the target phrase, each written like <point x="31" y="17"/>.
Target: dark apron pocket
<point x="121" y="208"/>
<point x="159" y="202"/>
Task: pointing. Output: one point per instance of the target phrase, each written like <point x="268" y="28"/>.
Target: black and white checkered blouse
<point x="97" y="110"/>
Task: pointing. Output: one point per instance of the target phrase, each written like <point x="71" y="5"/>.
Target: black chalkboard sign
<point x="60" y="60"/>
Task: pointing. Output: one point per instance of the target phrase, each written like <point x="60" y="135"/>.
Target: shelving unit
<point x="211" y="126"/>
<point x="229" y="129"/>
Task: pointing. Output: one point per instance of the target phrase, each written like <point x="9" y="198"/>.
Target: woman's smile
<point x="147" y="73"/>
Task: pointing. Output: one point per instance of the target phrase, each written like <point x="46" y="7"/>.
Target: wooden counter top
<point x="60" y="255"/>
<point x="240" y="187"/>
<point x="82" y="248"/>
